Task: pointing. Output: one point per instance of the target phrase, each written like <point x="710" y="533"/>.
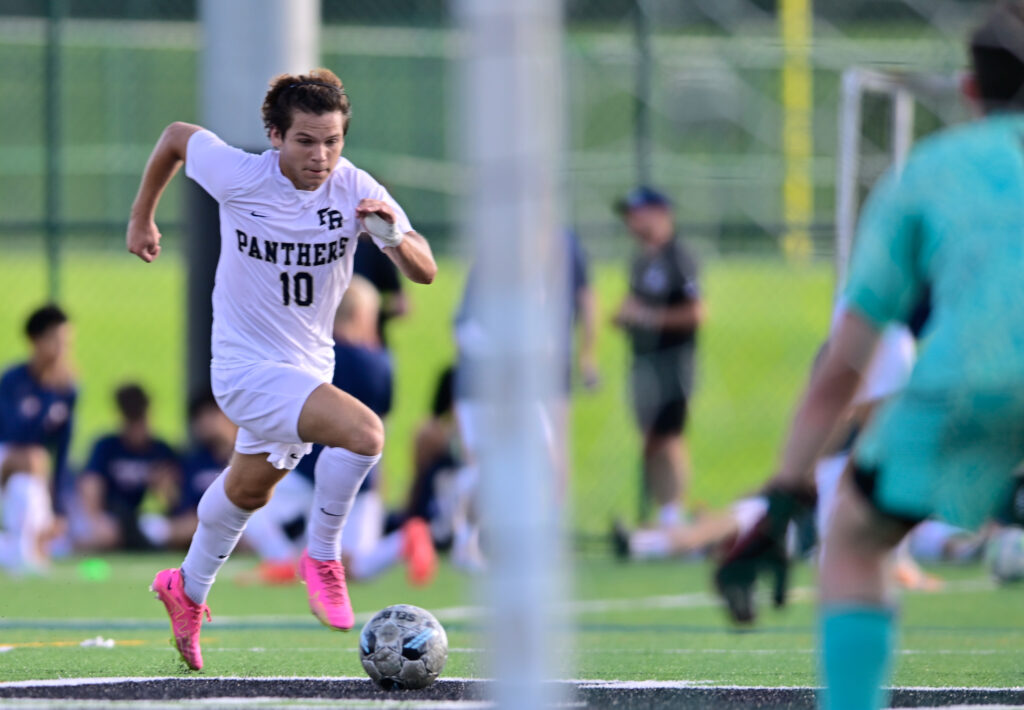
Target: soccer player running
<point x="950" y="223"/>
<point x="290" y="218"/>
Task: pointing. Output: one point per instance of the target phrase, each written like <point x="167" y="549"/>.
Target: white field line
<point x="582" y="683"/>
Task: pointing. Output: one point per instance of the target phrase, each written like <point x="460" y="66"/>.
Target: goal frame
<point x="904" y="88"/>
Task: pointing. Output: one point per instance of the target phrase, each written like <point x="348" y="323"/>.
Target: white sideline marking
<point x="581" y="682"/>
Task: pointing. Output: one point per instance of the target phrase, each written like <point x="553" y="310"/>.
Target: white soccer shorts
<point x="265" y="400"/>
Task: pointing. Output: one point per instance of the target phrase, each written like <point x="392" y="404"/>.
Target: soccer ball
<point x="403" y="647"/>
<point x="1006" y="555"/>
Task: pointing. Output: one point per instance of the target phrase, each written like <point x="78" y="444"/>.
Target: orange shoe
<point x="418" y="551"/>
<point x="269" y="572"/>
<point x="911" y="577"/>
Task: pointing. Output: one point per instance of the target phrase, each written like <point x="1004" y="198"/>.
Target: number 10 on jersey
<point x="297" y="287"/>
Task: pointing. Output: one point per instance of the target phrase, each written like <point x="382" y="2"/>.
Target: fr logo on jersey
<point x="332" y="219"/>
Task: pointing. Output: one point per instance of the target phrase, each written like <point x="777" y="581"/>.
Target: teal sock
<point x="856" y="649"/>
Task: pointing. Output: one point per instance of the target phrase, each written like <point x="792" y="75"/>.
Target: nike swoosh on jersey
<point x="333" y="515"/>
<point x="256" y="214"/>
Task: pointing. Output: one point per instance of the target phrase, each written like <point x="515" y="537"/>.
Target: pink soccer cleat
<point x="186" y="615"/>
<point x="328" y="596"/>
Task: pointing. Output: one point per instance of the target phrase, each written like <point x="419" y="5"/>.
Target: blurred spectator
<point x="661" y="315"/>
<point x="213" y="437"/>
<point x="438" y="492"/>
<point x="376" y="267"/>
<point x="122" y="468"/>
<point x="37" y="400"/>
<point x="583" y="305"/>
<point x="474" y="342"/>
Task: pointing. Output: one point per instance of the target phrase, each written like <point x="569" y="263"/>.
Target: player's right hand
<point x="143" y="239"/>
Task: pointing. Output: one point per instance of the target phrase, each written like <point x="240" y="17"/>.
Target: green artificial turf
<point x="627" y="622"/>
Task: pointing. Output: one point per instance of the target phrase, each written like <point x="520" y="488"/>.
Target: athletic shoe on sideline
<point x="418" y="552"/>
<point x="271" y="573"/>
<point x="186" y="616"/>
<point x="328" y="595"/>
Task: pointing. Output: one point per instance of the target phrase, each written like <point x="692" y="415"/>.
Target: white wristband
<point x="384" y="233"/>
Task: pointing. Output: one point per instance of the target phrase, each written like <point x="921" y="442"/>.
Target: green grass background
<point x="765" y="321"/>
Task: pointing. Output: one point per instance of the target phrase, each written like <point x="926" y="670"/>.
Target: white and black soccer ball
<point x="1006" y="555"/>
<point x="403" y="647"/>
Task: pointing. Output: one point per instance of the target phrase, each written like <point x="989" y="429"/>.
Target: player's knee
<point x="367" y="439"/>
<point x="245" y="494"/>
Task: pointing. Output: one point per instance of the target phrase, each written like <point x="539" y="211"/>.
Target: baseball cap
<point x="642" y="196"/>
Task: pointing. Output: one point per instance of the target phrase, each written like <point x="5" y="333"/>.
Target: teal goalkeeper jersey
<point x="950" y="228"/>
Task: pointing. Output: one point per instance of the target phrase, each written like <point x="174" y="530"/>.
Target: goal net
<point x="881" y="115"/>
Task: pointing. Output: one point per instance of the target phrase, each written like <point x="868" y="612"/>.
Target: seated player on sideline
<point x="37" y="400"/>
<point x="949" y="224"/>
<point x="438" y="492"/>
<point x="290" y="218"/>
<point x="123" y="468"/>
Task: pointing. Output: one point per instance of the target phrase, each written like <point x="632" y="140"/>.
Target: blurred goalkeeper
<point x="950" y="225"/>
<point x="290" y="219"/>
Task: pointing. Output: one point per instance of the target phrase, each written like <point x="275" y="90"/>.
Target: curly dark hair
<point x="318" y="92"/>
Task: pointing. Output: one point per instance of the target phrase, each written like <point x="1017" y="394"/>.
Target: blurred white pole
<point x="512" y="112"/>
<point x="244" y="44"/>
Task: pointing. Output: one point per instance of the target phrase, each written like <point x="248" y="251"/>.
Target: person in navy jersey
<point x="120" y="471"/>
<point x="374" y="266"/>
<point x="37" y="401"/>
<point x="362" y="369"/>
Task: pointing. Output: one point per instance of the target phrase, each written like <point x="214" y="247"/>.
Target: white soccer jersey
<point x="285" y="257"/>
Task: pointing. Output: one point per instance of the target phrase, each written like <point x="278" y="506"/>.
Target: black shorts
<point x="660" y="383"/>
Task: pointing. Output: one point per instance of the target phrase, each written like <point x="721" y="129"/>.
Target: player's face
<point x="651" y="225"/>
<point x="310" y="149"/>
<point x="53" y="345"/>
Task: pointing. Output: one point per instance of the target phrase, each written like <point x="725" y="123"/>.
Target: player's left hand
<point x="379" y="220"/>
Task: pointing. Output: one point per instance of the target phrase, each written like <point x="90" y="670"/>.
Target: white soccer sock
<point x="265" y="534"/>
<point x="27" y="512"/>
<point x="670" y="515"/>
<point x="337" y="477"/>
<point x="649" y="544"/>
<point x="221" y="523"/>
<point x="385" y="554"/>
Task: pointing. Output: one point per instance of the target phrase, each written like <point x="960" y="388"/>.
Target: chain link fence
<point x="729" y="106"/>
